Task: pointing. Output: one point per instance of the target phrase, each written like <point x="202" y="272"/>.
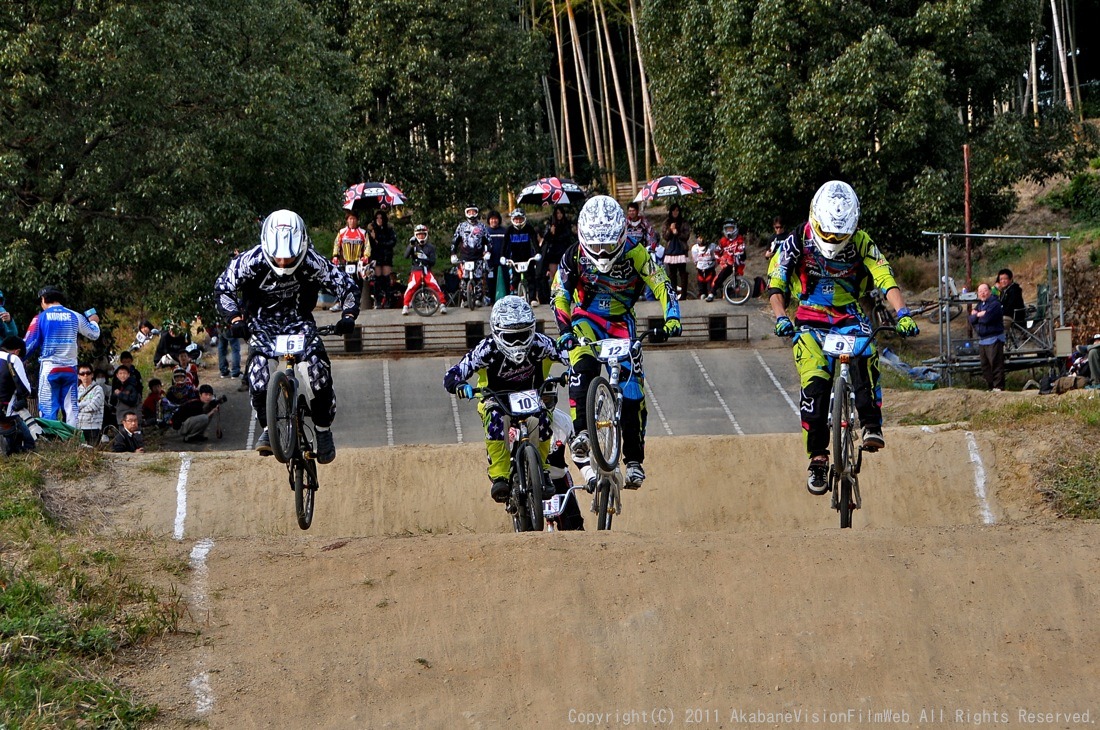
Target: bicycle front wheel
<point x="521" y="290"/>
<point x="603" y="503"/>
<point x="424" y="302"/>
<point x="736" y="290"/>
<point x="605" y="433"/>
<point x="471" y="293"/>
<point x="305" y="486"/>
<point x="282" y="423"/>
<point x="531" y="477"/>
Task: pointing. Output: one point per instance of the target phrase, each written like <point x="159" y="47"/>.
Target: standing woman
<point x="676" y="233"/>
<point x="556" y="239"/>
<point x="383" y="241"/>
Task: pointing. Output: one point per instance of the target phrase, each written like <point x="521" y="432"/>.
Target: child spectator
<point x="126" y="360"/>
<point x="151" y="408"/>
<point x="188" y="365"/>
<point x="193" y="416"/>
<point x="144" y="335"/>
<point x="705" y="255"/>
<point x="89" y="403"/>
<point x="732" y="259"/>
<point x="125" y="396"/>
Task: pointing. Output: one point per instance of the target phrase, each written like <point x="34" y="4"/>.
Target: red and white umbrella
<point x="372" y="195"/>
<point x="666" y="187"/>
<point x="551" y="191"/>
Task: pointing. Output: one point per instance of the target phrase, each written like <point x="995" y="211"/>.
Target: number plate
<point x="350" y="269"/>
<point x="289" y="344"/>
<point x="468" y="265"/>
<point x="552" y="507"/>
<point x="614" y="349"/>
<point x="524" y="403"/>
<point x="521" y="266"/>
<point x="838" y="344"/>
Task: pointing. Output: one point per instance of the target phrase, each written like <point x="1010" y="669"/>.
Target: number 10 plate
<point x="524" y="402"/>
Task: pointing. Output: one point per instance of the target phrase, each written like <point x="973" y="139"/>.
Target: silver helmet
<point x="834" y="217"/>
<point x="284" y="241"/>
<point x="518" y="214"/>
<point x="512" y="323"/>
<point x="601" y="231"/>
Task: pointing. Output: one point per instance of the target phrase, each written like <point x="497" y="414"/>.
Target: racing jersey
<point x="705" y="255"/>
<point x="828" y="290"/>
<point x="280" y="305"/>
<point x="351" y="245"/>
<point x="420" y="253"/>
<point x="579" y="287"/>
<point x="54" y="333"/>
<point x="471" y="241"/>
<point x="641" y="231"/>
<point x="733" y="252"/>
<point x="500" y="374"/>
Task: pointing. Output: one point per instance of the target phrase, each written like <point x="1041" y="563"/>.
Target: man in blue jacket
<point x="987" y="319"/>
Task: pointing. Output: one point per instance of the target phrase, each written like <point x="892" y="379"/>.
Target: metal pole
<point x="966" y="210"/>
<point x="1061" y="299"/>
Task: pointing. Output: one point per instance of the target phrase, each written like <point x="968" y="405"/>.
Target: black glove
<point x="345" y="326"/>
<point x="239" y="329"/>
<point x="657" y="335"/>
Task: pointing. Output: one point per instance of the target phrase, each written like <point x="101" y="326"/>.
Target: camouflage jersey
<point x="581" y="288"/>
<point x="828" y="290"/>
<point x="498" y="373"/>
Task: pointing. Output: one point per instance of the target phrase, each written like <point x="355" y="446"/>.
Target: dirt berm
<point x="725" y="594"/>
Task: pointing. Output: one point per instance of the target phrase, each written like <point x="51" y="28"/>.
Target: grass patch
<point x="160" y="467"/>
<point x="1071" y="486"/>
<point x="66" y="608"/>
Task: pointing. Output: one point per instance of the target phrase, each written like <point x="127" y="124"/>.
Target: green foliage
<point x="787" y="95"/>
<point x="1073" y="485"/>
<point x="1081" y="197"/>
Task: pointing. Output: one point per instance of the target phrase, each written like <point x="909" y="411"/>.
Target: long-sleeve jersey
<point x="52" y="335"/>
<point x="500" y="374"/>
<point x="351" y="244"/>
<point x="641" y="231"/>
<point x="828" y="290"/>
<point x="520" y="244"/>
<point x="580" y="287"/>
<point x="414" y="250"/>
<point x="14" y="384"/>
<point x="470" y="241"/>
<point x="280" y="305"/>
<point x="733" y="250"/>
<point x="705" y="255"/>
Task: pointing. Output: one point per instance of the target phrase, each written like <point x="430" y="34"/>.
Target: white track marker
<point x="454" y="407"/>
<point x="389" y="401"/>
<point x="979" y="479"/>
<point x="200" y="683"/>
<point x="251" y="432"/>
<point x="652" y="398"/>
<point x="181" y="495"/>
<point x="721" y="400"/>
<point x="775" y="382"/>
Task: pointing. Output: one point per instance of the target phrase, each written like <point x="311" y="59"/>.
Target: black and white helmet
<point x="512" y="323"/>
<point x="834" y="217"/>
<point x="729" y="228"/>
<point x="472" y="212"/>
<point x="518" y="217"/>
<point x="601" y="231"/>
<point x="284" y="241"/>
<point x="420" y="233"/>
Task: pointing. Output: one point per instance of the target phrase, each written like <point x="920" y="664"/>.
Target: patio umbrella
<point x="667" y="186"/>
<point x="551" y="191"/>
<point x="368" y="195"/>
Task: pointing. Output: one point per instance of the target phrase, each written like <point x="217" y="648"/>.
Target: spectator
<point x="350" y="250"/>
<point x="181" y="389"/>
<point x="705" y="257"/>
<point x="556" y="240"/>
<point x="129" y="440"/>
<point x="193" y="416"/>
<point x="382" y="243"/>
<point x="1094" y="362"/>
<point x="1011" y="297"/>
<point x="498" y="275"/>
<point x="126" y="360"/>
<point x="779" y="235"/>
<point x="144" y="335"/>
<point x="229" y="353"/>
<point x="732" y="258"/>
<point x="188" y="365"/>
<point x="90" y="402"/>
<point x="173" y="338"/>
<point x="676" y="234"/>
<point x="8" y="328"/>
<point x="14" y="389"/>
<point x="125" y="396"/>
<point x="53" y="336"/>
<point x="638" y="228"/>
<point x="521" y="243"/>
<point x="988" y="323"/>
<point x="151" y="407"/>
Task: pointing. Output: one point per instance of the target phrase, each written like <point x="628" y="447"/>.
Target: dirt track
<point x="724" y="589"/>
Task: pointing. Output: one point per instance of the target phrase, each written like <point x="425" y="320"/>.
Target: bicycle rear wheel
<point x="605" y="433"/>
<point x="603" y="502"/>
<point x="532" y="486"/>
<point x="736" y="290"/>
<point x="305" y="487"/>
<point x="282" y="424"/>
<point x="424" y="302"/>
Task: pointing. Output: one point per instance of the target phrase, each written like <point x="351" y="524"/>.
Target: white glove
<point x="454" y="259"/>
<point x="503" y="261"/>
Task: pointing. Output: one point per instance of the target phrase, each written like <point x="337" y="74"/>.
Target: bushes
<point x="1081" y="198"/>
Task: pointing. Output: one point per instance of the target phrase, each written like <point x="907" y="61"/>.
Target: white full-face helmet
<point x="518" y="217"/>
<point x="601" y="231"/>
<point x="512" y="323"/>
<point x="284" y="241"/>
<point x="834" y="217"/>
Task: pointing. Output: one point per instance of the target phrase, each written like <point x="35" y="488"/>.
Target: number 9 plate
<point x="616" y="349"/>
<point x="837" y="344"/>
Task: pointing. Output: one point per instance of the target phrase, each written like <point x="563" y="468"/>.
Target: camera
<point x="221" y="399"/>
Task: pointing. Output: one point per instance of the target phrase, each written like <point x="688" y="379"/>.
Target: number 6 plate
<point x="524" y="403"/>
<point x="614" y="349"/>
<point x="289" y="344"/>
<point x="837" y="344"/>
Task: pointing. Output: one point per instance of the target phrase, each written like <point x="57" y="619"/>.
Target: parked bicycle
<point x="843" y="345"/>
<point x="292" y="436"/>
<point x="470" y="274"/>
<point x="519" y="275"/>
<point x="604" y="408"/>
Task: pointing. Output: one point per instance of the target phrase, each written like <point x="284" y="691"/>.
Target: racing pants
<point x="815" y="370"/>
<point x="414" y="283"/>
<point x="322" y="406"/>
<point x="586" y="367"/>
<point x="57" y="391"/>
<point x="496" y="444"/>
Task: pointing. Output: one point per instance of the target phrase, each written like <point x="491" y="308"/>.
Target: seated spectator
<point x="126" y="398"/>
<point x="129" y="440"/>
<point x="188" y="364"/>
<point x="1094" y="362"/>
<point x="173" y="338"/>
<point x="193" y="416"/>
<point x="177" y="394"/>
<point x="8" y="328"/>
<point x="144" y="335"/>
<point x="126" y="360"/>
<point x="14" y="389"/>
<point x="89" y="402"/>
<point x="151" y="408"/>
<point x="1012" y="298"/>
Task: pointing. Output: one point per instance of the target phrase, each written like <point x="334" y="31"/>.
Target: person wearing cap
<point x="52" y="336"/>
<point x="193" y="416"/>
<point x="8" y="328"/>
<point x="14" y="389"/>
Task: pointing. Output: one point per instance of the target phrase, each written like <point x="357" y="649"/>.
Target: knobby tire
<point x="606" y="441"/>
<point x="305" y="487"/>
<point x="532" y="486"/>
<point x="424" y="302"/>
<point x="603" y="502"/>
<point x="282" y="420"/>
<point x="736" y="290"/>
<point x="843" y="447"/>
<point x="844" y="505"/>
<point x="471" y="293"/>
